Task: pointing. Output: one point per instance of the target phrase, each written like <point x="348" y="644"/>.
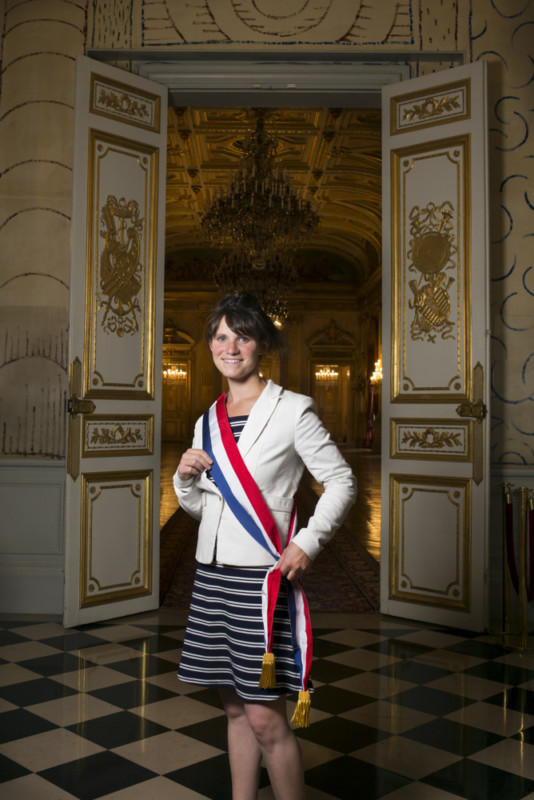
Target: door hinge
<point x="477" y="410"/>
<point x="77" y="405"/>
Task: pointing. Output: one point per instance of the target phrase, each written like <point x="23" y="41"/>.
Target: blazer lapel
<point x="259" y="416"/>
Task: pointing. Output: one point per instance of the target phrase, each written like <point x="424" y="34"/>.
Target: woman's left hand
<point x="293" y="562"/>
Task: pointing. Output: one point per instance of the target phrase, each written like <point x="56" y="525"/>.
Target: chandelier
<point x="259" y="221"/>
<point x="174" y="372"/>
<point x="327" y="374"/>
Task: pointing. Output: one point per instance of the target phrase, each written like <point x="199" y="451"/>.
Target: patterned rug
<point x="344" y="576"/>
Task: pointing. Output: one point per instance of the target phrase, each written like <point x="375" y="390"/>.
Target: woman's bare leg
<point x="257" y="730"/>
<point x="243" y="749"/>
<point x="279" y="748"/>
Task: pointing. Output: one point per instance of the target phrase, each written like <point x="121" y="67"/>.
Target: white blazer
<point x="282" y="436"/>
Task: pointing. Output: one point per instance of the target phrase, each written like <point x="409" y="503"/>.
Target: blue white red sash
<point x="245" y="500"/>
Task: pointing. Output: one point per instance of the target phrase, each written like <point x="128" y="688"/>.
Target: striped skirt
<point x="224" y="642"/>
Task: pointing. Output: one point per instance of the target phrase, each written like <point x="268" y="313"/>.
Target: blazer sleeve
<point x="188" y="491"/>
<point x="324" y="461"/>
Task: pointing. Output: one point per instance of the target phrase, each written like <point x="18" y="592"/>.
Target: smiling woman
<point x="249" y="631"/>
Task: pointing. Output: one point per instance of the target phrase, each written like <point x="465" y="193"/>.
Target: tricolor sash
<point x="246" y="502"/>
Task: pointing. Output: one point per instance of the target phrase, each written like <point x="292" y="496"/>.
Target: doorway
<point x="329" y="319"/>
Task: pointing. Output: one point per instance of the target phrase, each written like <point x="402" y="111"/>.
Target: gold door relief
<point x="433" y="438"/>
<point x="121" y="272"/>
<point x="431" y="252"/>
<point x="118" y="435"/>
<point x="116" y="100"/>
<point x="415" y="110"/>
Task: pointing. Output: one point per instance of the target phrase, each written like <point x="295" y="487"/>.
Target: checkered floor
<point x="401" y="712"/>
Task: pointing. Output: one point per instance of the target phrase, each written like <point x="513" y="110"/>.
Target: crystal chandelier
<point x="259" y="222"/>
<point x="327" y="374"/>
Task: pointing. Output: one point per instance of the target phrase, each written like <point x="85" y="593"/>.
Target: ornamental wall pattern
<point x="38" y="46"/>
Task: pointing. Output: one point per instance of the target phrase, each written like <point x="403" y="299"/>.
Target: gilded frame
<point x="463" y="548"/>
<point x="141" y="580"/>
<point x="143" y="384"/>
<point x="399" y="281"/>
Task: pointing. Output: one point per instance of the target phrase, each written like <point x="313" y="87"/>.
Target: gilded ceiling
<point x="332" y="154"/>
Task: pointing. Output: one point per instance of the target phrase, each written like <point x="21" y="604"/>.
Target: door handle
<point x="77" y="405"/>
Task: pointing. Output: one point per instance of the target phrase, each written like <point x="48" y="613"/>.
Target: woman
<point x="247" y="600"/>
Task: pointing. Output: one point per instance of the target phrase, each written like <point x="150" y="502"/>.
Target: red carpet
<point x="344" y="576"/>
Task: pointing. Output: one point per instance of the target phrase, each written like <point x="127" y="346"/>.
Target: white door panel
<point x="112" y="515"/>
<point x="435" y="349"/>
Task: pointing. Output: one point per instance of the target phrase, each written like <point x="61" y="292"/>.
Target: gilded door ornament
<point x="431" y="252"/>
<point x="432" y="107"/>
<point x="116" y="435"/>
<point x="123" y="102"/>
<point x="120" y="270"/>
<point x="431" y="439"/>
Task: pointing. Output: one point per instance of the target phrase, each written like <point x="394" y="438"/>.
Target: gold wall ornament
<point x="121" y="273"/>
<point x="431" y="251"/>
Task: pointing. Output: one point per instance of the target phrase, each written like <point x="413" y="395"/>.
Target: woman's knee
<point x="268" y="722"/>
<point x="233" y="706"/>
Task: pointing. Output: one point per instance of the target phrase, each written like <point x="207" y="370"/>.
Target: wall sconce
<point x="376" y="377"/>
<point x="172" y="372"/>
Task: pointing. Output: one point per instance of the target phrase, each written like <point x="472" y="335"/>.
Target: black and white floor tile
<point x="400" y="711"/>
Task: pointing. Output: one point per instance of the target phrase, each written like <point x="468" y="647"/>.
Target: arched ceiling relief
<point x="332" y="154"/>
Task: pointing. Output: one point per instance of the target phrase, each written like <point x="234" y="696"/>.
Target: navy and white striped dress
<point x="224" y="641"/>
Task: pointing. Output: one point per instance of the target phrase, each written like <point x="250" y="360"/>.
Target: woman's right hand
<point x="193" y="462"/>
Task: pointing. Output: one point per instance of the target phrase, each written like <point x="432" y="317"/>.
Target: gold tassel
<point x="268" y="672"/>
<point x="301" y="717"/>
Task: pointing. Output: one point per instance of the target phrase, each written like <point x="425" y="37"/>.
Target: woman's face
<point x="236" y="356"/>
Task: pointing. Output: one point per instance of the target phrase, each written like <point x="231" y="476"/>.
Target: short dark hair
<point x="245" y="316"/>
